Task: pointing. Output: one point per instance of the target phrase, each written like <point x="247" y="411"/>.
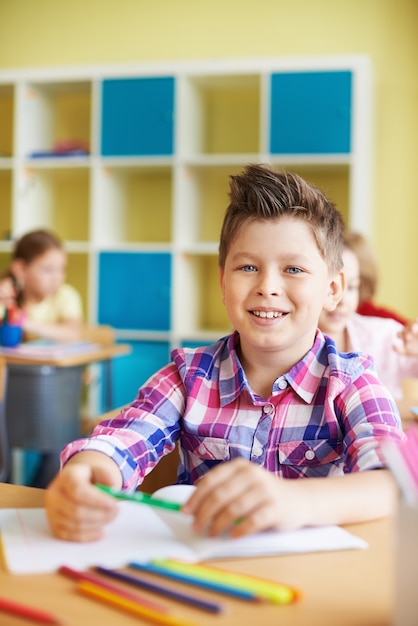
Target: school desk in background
<point x="43" y="393"/>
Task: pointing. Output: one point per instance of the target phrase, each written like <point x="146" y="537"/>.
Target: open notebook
<point x="142" y="533"/>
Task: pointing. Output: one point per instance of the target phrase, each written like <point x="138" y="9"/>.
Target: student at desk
<point x="393" y="347"/>
<point x="51" y="309"/>
<point x="35" y="283"/>
<point x="271" y="403"/>
<point x="369" y="278"/>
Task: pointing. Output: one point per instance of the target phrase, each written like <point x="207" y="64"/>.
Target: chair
<point x="4" y="448"/>
<point x="98" y="333"/>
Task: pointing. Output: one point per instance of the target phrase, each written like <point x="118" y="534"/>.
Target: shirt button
<point x="257" y="449"/>
<point x="268" y="409"/>
<point x="282" y="383"/>
<point x="202" y="449"/>
<point x="309" y="455"/>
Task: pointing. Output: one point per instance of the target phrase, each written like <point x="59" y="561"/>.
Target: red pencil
<point x="27" y="611"/>
<point x="97" y="580"/>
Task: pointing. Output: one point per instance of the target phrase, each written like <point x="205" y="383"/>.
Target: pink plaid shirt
<point x="326" y="416"/>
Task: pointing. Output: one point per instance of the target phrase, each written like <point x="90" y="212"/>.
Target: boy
<point x="270" y="403"/>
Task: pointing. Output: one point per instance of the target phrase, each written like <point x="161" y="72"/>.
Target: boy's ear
<point x="336" y="290"/>
<point x="221" y="282"/>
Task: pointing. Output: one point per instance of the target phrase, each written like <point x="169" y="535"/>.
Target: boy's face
<point x="275" y="285"/>
<point x="334" y="322"/>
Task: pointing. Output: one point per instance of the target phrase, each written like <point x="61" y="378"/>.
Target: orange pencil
<point x="120" y="602"/>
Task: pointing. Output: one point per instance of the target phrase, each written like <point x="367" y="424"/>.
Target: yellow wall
<point x="52" y="32"/>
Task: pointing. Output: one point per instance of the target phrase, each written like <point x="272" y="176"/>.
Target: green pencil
<point x="140" y="498"/>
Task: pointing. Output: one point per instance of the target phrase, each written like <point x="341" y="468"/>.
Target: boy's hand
<point x="240" y="497"/>
<point x="76" y="510"/>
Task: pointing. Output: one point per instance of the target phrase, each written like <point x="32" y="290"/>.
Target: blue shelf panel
<point x="131" y="371"/>
<point x="135" y="290"/>
<point x="137" y="116"/>
<point x="310" y="113"/>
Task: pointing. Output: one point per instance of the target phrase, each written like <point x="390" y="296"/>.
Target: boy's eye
<point x="248" y="268"/>
<point x="294" y="270"/>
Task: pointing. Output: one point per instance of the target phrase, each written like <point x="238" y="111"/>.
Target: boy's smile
<point x="275" y="284"/>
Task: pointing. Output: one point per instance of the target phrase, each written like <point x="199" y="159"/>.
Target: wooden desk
<point x="100" y="353"/>
<point x="346" y="588"/>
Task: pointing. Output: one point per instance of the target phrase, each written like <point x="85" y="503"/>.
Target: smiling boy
<point x="271" y="403"/>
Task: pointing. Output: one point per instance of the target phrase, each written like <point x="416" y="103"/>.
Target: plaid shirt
<point x="326" y="416"/>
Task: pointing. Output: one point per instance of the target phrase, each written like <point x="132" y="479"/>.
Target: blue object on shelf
<point x="310" y="112"/>
<point x="137" y="116"/>
<point x="129" y="373"/>
<point x="134" y="290"/>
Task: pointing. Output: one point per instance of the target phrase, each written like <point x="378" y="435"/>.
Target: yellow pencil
<point x="277" y="593"/>
<point x="114" y="599"/>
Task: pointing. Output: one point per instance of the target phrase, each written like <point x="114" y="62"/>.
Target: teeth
<point x="268" y="314"/>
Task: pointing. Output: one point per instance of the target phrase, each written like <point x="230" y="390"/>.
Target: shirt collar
<point x="304" y="377"/>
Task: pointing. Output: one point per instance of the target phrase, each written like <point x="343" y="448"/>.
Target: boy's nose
<point x="269" y="286"/>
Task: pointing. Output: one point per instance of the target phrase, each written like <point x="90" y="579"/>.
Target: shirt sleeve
<point x="369" y="416"/>
<point x="143" y="432"/>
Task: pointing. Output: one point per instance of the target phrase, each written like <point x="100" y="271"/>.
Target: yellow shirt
<point x="64" y="305"/>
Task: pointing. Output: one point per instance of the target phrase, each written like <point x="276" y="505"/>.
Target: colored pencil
<point x="163" y="591"/>
<point x="114" y="599"/>
<point x="141" y="498"/>
<point x="277" y="593"/>
<point x="219" y="587"/>
<point x="28" y="612"/>
<point x="96" y="580"/>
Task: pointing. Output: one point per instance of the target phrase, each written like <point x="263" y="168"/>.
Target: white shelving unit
<point x="141" y="212"/>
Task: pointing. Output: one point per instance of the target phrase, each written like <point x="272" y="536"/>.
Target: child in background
<point x="35" y="283"/>
<point x="51" y="309"/>
<point x="276" y="428"/>
<point x="369" y="279"/>
<point x="383" y="338"/>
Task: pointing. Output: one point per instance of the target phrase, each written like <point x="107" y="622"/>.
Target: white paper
<point x="142" y="533"/>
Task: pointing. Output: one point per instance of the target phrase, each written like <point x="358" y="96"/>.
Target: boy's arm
<point x="244" y="491"/>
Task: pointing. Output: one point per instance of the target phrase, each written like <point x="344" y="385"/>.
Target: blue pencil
<point x="169" y="593"/>
<point x="204" y="584"/>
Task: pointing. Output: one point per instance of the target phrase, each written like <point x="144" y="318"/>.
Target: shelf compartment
<point x="205" y="189"/>
<point x="135" y="290"/>
<point x="78" y="277"/>
<point x="134" y="205"/>
<point x="333" y="180"/>
<point x="310" y="112"/>
<point x="132" y="370"/>
<point x="5" y="204"/>
<point x="55" y="198"/>
<point x="4" y="261"/>
<point x="55" y="112"/>
<point x="221" y="114"/>
<point x="198" y="274"/>
<point x="7" y="100"/>
<point x="137" y="116"/>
